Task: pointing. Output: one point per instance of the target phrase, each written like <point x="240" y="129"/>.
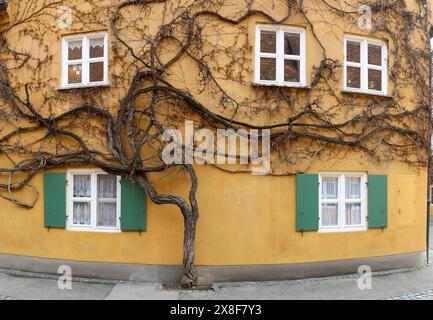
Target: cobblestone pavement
<point x="407" y="284"/>
<point x="421" y="295"/>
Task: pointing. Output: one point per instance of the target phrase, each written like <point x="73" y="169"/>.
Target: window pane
<point x="268" y="41"/>
<point x="267" y="68"/>
<point x="374" y="54"/>
<point x="353" y="214"/>
<point x="75" y="50"/>
<point x="329" y="188"/>
<point x="329" y="215"/>
<point x="74" y="73"/>
<point x="291" y="71"/>
<point x="354" y="77"/>
<point x="81" y="214"/>
<point x="96" y="49"/>
<point x="353" y="188"/>
<point x="96" y="72"/>
<point x="81" y="186"/>
<point x="292" y="43"/>
<point x="106" y="214"/>
<point x="353" y="51"/>
<point x="107" y="186"/>
<point x="107" y="193"/>
<point x="374" y="79"/>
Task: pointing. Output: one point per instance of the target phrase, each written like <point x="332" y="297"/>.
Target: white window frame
<point x="280" y="56"/>
<point x="342" y="227"/>
<point x="93" y="202"/>
<point x="85" y="61"/>
<point x="364" y="65"/>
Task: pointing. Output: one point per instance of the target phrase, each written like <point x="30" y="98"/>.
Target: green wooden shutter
<point x="133" y="207"/>
<point x="307" y="202"/>
<point x="377" y="201"/>
<point x="55" y="200"/>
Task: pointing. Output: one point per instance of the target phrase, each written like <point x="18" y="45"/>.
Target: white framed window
<point x="342" y="202"/>
<point x="85" y="60"/>
<point x="280" y="56"/>
<point x="93" y="201"/>
<point x="365" y="65"/>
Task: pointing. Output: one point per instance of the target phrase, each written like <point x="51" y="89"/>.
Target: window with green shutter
<point x="93" y="201"/>
<point x="337" y="201"/>
<point x="55" y="199"/>
<point x="343" y="201"/>
<point x="91" y="197"/>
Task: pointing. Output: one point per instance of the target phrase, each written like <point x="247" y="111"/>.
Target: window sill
<point x="89" y="229"/>
<point x="363" y="93"/>
<point x="282" y="85"/>
<point x="90" y="86"/>
<point x="343" y="230"/>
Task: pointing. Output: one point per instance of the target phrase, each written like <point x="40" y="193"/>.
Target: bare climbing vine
<point x="172" y="60"/>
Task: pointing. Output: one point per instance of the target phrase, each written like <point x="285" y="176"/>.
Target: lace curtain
<point x="329" y="214"/>
<point x="353" y="188"/>
<point x="82" y="213"/>
<point x="329" y="188"/>
<point x="353" y="213"/>
<point x="96" y="48"/>
<point x="107" y="194"/>
<point x="353" y="191"/>
<point x="82" y="186"/>
<point x="75" y="50"/>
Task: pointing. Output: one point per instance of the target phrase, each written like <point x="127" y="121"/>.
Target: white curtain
<point x="107" y="186"/>
<point x="107" y="194"/>
<point x="329" y="188"/>
<point x="353" y="214"/>
<point x="81" y="213"/>
<point x="353" y="188"/>
<point x="329" y="214"/>
<point x="82" y="186"/>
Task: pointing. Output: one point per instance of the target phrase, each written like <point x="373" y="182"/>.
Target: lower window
<point x="93" y="201"/>
<point x="343" y="205"/>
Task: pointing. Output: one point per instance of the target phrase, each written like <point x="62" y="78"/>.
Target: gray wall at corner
<point x="210" y="274"/>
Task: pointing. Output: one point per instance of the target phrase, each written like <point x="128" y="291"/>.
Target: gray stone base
<point x="210" y="274"/>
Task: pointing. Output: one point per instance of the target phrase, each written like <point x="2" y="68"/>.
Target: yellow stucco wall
<point x="244" y="219"/>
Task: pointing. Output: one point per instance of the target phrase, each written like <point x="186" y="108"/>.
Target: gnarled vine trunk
<point x="189" y="278"/>
<point x="190" y="214"/>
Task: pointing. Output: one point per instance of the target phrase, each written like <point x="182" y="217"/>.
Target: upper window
<point x="280" y="55"/>
<point x="343" y="202"/>
<point x="365" y="68"/>
<point x="84" y="60"/>
<point x="93" y="201"/>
